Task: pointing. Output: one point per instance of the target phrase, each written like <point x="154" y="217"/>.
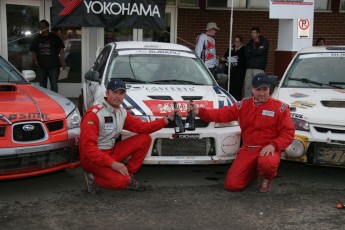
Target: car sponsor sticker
<point x="299" y="95"/>
<point x="303" y="104"/>
<point x="163" y="107"/>
<point x="186" y="136"/>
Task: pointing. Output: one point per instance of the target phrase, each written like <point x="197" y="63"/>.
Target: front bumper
<point x="35" y="160"/>
<point x="202" y="146"/>
<point x="324" y="145"/>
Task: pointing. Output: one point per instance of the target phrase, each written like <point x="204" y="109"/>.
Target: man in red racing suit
<point x="267" y="129"/>
<point x="101" y="156"/>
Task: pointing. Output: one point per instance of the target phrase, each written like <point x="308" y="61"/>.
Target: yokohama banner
<point x="117" y="14"/>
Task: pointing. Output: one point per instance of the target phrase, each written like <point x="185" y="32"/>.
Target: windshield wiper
<point x="306" y="80"/>
<point x="336" y="83"/>
<point x="177" y="81"/>
<point x="128" y="79"/>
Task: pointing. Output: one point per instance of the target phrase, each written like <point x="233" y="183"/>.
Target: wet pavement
<point x="178" y="197"/>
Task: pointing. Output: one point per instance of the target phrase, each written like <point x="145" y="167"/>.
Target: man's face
<point x="42" y="27"/>
<point x="115" y="98"/>
<point x="261" y="94"/>
<point x="254" y="34"/>
<point x="212" y="32"/>
<point x="237" y="42"/>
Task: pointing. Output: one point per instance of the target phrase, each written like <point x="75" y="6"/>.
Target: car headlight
<point x="228" y="124"/>
<point x="301" y="124"/>
<point x="73" y="119"/>
<point x="144" y="118"/>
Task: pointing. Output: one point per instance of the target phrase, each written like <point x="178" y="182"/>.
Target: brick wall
<point x="191" y="22"/>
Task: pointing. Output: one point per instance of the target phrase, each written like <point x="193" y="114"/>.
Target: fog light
<point x="295" y="150"/>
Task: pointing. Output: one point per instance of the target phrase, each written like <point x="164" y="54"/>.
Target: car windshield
<point x="319" y="70"/>
<point x="159" y="69"/>
<point x="9" y="74"/>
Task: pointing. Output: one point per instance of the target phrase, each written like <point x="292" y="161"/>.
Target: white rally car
<point x="156" y="75"/>
<point x="314" y="87"/>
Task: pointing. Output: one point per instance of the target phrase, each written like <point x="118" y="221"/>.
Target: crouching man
<point x="267" y="129"/>
<point x="101" y="156"/>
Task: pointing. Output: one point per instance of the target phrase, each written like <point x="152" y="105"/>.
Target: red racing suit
<point x="98" y="148"/>
<point x="261" y="124"/>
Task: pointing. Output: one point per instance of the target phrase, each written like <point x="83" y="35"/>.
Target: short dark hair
<point x="240" y="37"/>
<point x="257" y="29"/>
<point x="45" y="22"/>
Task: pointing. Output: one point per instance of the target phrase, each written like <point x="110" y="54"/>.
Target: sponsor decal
<point x="299" y="95"/>
<point x="164" y="107"/>
<point x="297" y="115"/>
<point x="186" y="136"/>
<point x="283" y="107"/>
<point x="169" y="89"/>
<point x="90" y="122"/>
<point x="303" y="104"/>
<point x="291" y="2"/>
<point x="267" y="113"/>
<point x="144" y="14"/>
<point x="23" y="116"/>
<point x="230" y="144"/>
<point x="340" y="90"/>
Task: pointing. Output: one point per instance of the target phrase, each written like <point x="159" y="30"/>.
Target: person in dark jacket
<point x="256" y="53"/>
<point x="238" y="67"/>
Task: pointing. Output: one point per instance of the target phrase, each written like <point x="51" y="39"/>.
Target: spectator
<point x="48" y="55"/>
<point x="256" y="54"/>
<point x="206" y="47"/>
<point x="267" y="129"/>
<point x="101" y="154"/>
<point x="320" y="42"/>
<point x="238" y="67"/>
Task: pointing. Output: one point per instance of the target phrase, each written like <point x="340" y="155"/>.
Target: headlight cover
<point x="301" y="124"/>
<point x="228" y="124"/>
<point x="73" y="119"/>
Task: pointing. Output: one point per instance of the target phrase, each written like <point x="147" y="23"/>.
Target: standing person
<point x="205" y="47"/>
<point x="101" y="154"/>
<point x="267" y="129"/>
<point x="238" y="67"/>
<point x="256" y="54"/>
<point x="48" y="54"/>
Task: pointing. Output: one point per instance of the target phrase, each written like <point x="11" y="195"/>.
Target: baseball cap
<point x="261" y="80"/>
<point x="116" y="84"/>
<point x="211" y="25"/>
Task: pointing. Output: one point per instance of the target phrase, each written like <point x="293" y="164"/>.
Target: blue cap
<point x="261" y="80"/>
<point x="116" y="84"/>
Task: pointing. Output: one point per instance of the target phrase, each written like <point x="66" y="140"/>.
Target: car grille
<point x="24" y="163"/>
<point x="20" y="134"/>
<point x="326" y="130"/>
<point x="326" y="154"/>
<point x="184" y="147"/>
<point x="334" y="104"/>
<point x="54" y="126"/>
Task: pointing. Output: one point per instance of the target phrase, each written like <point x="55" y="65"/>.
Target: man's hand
<point x="267" y="150"/>
<point x="171" y="115"/>
<point x="193" y="107"/>
<point x="119" y="167"/>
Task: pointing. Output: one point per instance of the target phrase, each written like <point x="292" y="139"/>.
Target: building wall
<point x="191" y="22"/>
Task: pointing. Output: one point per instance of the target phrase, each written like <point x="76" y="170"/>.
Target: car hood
<point x="29" y="102"/>
<point x="318" y="106"/>
<point x="157" y="100"/>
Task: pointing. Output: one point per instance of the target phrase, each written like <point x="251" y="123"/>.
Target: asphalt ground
<point x="178" y="197"/>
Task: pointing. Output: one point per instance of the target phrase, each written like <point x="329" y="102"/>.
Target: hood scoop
<point x="8" y="88"/>
<point x="161" y="97"/>
<point x="333" y="104"/>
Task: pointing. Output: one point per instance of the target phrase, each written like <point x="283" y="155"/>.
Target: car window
<point x="324" y="68"/>
<point x="9" y="74"/>
<point x="159" y="69"/>
<point x="101" y="60"/>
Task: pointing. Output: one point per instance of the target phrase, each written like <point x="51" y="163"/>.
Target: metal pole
<point x="230" y="46"/>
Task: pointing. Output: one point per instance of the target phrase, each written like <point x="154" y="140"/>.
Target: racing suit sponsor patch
<point x="268" y="113"/>
<point x="90" y="122"/>
<point x="108" y="123"/>
<point x="283" y="107"/>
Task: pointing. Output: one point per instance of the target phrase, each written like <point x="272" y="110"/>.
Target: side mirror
<point x="273" y="80"/>
<point x="92" y="75"/>
<point x="222" y="80"/>
<point x="29" y="74"/>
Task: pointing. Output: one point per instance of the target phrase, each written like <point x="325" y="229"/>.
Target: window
<point x="321" y="5"/>
<point x="342" y="5"/>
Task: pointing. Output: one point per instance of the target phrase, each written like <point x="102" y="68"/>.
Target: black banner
<point x="117" y="14"/>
